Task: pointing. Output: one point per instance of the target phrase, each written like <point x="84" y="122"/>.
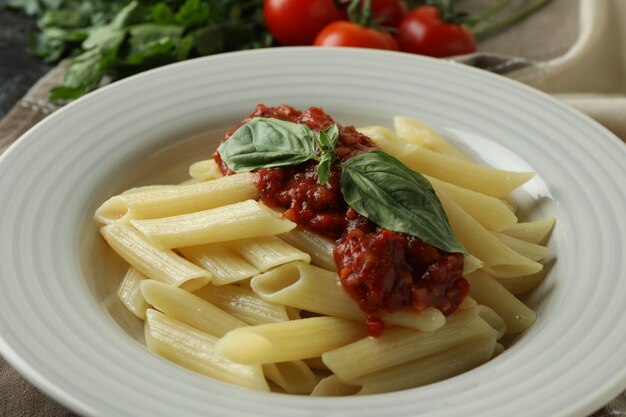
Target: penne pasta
<point x="397" y="346"/>
<point x="159" y="264"/>
<point x="493" y="319"/>
<point x="523" y="284"/>
<point x="529" y="250"/>
<point x="533" y="232"/>
<point x="319" y="247"/>
<point x="195" y="350"/>
<point x="418" y="133"/>
<point x="293" y="377"/>
<point x="499" y="258"/>
<point x="166" y="201"/>
<point x="488" y="291"/>
<point x="225" y="265"/>
<point x="288" y="341"/>
<point x="332" y="386"/>
<point x="471" y="264"/>
<point x="314" y="289"/>
<point x="231" y="287"/>
<point x="205" y="170"/>
<point x="490" y="181"/>
<point x="439" y="366"/>
<point x="189" y="308"/>
<point x="221" y="224"/>
<point x="267" y="252"/>
<point x="489" y="211"/>
<point x="243" y="303"/>
<point x="129" y="293"/>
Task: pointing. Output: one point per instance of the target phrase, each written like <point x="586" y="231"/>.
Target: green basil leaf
<point x="393" y="196"/>
<point x="323" y="167"/>
<point x="266" y="143"/>
<point x="327" y="139"/>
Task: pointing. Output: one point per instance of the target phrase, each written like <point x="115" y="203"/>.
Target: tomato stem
<point x="366" y="13"/>
<point x="487" y="13"/>
<point x="484" y="31"/>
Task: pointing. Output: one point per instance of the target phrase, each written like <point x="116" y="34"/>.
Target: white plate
<point x="61" y="326"/>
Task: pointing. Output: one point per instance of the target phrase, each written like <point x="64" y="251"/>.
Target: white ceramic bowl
<point x="62" y="327"/>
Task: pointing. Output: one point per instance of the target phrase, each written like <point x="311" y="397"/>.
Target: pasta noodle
<point x="314" y="289"/>
<point x="154" y="262"/>
<point x="288" y="341"/>
<point x="398" y="346"/>
<point x="230" y="288"/>
<point x="129" y="292"/>
<point x="244" y="304"/>
<point x="193" y="349"/>
<point x="221" y="224"/>
<point x="472" y="176"/>
<point x="165" y="201"/>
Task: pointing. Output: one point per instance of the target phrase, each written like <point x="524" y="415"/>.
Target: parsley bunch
<point x="119" y="38"/>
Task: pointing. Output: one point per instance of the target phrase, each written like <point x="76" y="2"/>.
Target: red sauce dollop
<point x="382" y="270"/>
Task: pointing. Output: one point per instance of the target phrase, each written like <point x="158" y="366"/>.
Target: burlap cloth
<point x="575" y="49"/>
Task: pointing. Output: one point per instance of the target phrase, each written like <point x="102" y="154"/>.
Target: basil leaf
<point x="327" y="139"/>
<point x="393" y="196"/>
<point x="323" y="167"/>
<point x="266" y="143"/>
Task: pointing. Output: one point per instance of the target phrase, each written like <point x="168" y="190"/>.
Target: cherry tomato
<point x="350" y="34"/>
<point x="296" y="22"/>
<point x="388" y="12"/>
<point x="423" y="32"/>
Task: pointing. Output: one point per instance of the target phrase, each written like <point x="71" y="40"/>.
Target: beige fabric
<point x="573" y="48"/>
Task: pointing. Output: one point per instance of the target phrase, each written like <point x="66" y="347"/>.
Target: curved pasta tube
<point x="533" y="232"/>
<point x="129" y="293"/>
<point x="418" y="133"/>
<point x="163" y="201"/>
<point x="189" y="308"/>
<point x="314" y="289"/>
<point x="205" y="170"/>
<point x="480" y="178"/>
<point x="161" y="264"/>
<point x="244" y="304"/>
<point x="441" y="365"/>
<point x="195" y="350"/>
<point x="398" y="346"/>
<point x="489" y="211"/>
<point x="232" y="222"/>
<point x="488" y="291"/>
<point x="288" y="341"/>
<point x="498" y="257"/>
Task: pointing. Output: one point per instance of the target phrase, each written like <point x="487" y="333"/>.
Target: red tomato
<point x="388" y="12"/>
<point x="296" y="22"/>
<point x="350" y="34"/>
<point x="423" y="32"/>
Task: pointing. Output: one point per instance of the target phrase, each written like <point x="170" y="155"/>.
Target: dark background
<point x="19" y="70"/>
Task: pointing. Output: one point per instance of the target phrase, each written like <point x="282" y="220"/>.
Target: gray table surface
<point x="19" y="70"/>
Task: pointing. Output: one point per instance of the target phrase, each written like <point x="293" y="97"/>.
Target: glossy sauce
<point x="382" y="270"/>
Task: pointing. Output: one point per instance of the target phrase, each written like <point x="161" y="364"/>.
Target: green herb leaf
<point x="85" y="72"/>
<point x="162" y="14"/>
<point x="323" y="167"/>
<point x="193" y="13"/>
<point x="326" y="141"/>
<point x="104" y="37"/>
<point x="124" y="17"/>
<point x="266" y="143"/>
<point x="66" y="19"/>
<point x="393" y="196"/>
<point x="63" y="93"/>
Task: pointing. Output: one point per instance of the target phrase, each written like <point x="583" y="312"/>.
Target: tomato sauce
<point x="382" y="270"/>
